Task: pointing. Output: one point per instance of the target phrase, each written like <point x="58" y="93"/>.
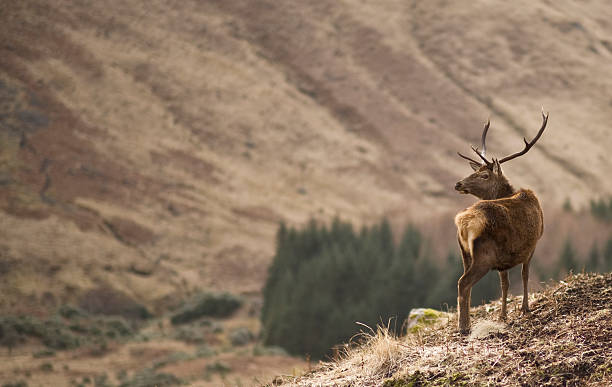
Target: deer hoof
<point x="464" y="331"/>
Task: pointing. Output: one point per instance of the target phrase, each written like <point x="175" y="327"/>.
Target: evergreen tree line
<point x="325" y="279"/>
<point x="598" y="259"/>
<point x="602" y="209"/>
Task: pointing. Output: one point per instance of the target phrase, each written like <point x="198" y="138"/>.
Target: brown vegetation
<point x="564" y="342"/>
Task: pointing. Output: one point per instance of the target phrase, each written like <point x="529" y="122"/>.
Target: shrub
<point x="190" y="334"/>
<point x="101" y="381"/>
<point x="205" y="351"/>
<point x="57" y="337"/>
<point x="70" y="311"/>
<point x="9" y="336"/>
<point x="108" y="301"/>
<point x="148" y="378"/>
<point x="99" y="347"/>
<point x="240" y="336"/>
<point x="43" y="353"/>
<point x="118" y="327"/>
<point x="25" y="325"/>
<point x="217" y="367"/>
<point x="59" y="333"/>
<point x="207" y="304"/>
<point x="260" y="350"/>
<point x="61" y="340"/>
<point x="175" y="357"/>
<point x="20" y="383"/>
<point x="121" y="375"/>
<point x="51" y="332"/>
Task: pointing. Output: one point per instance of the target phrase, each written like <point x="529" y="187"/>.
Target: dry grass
<point x="564" y="341"/>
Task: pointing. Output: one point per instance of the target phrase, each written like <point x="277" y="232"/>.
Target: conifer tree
<point x="567" y="259"/>
<point x="607" y="256"/>
<point x="324" y="280"/>
<point x="593" y="264"/>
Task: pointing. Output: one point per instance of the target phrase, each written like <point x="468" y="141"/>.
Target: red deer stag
<point x="499" y="231"/>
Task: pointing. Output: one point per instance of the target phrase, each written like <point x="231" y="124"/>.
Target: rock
<point x="484" y="328"/>
<point x="420" y="318"/>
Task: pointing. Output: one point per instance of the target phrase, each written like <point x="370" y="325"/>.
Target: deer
<point x="497" y="232"/>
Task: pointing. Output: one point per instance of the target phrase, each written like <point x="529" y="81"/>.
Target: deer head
<point x="488" y="182"/>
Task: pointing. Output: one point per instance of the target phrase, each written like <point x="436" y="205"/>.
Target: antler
<point x="484" y="147"/>
<point x="484" y="138"/>
<point x="528" y="145"/>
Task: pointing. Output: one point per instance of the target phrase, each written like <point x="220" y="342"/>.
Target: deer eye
<point x="485" y="176"/>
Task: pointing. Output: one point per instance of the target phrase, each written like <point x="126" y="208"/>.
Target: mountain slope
<point x="154" y="146"/>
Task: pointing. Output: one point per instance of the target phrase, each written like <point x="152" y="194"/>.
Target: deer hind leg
<point x="464" y="289"/>
<point x="525" y="275"/>
<point x="505" y="283"/>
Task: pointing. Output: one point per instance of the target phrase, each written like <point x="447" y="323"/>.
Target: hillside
<point x="564" y="342"/>
<point x="153" y="147"/>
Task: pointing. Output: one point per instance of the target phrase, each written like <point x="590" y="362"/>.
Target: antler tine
<point x="484" y="147"/>
<point x="469" y="159"/>
<point x="481" y="155"/>
<point x="483" y="140"/>
<point x="528" y="145"/>
<point x="484" y="137"/>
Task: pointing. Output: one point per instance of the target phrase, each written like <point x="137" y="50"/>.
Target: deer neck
<point x="503" y="190"/>
<point x="506" y="190"/>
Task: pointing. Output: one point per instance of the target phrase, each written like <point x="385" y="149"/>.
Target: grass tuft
<point x="207" y="304"/>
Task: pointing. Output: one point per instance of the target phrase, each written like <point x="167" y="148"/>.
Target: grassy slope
<point x="205" y="352"/>
<point x="565" y="341"/>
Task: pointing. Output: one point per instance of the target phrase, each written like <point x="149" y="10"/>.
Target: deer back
<point x="512" y="226"/>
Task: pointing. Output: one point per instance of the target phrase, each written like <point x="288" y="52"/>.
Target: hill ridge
<point x="564" y="341"/>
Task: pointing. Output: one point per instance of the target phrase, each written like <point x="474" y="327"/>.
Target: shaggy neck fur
<point x="505" y="190"/>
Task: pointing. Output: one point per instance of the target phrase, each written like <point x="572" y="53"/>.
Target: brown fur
<point x="495" y="234"/>
<point x="470" y="224"/>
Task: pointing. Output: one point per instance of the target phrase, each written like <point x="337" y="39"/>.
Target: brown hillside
<point x="153" y="146"/>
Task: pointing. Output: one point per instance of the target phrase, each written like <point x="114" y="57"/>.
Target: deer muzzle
<point x="459" y="187"/>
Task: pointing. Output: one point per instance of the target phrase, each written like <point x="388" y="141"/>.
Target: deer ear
<point x="497" y="167"/>
<point x="475" y="166"/>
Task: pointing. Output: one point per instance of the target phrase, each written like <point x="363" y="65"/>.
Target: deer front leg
<point x="464" y="288"/>
<point x="463" y="307"/>
<point x="465" y="256"/>
<point x="505" y="283"/>
<point x="525" y="275"/>
<point x="464" y="294"/>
